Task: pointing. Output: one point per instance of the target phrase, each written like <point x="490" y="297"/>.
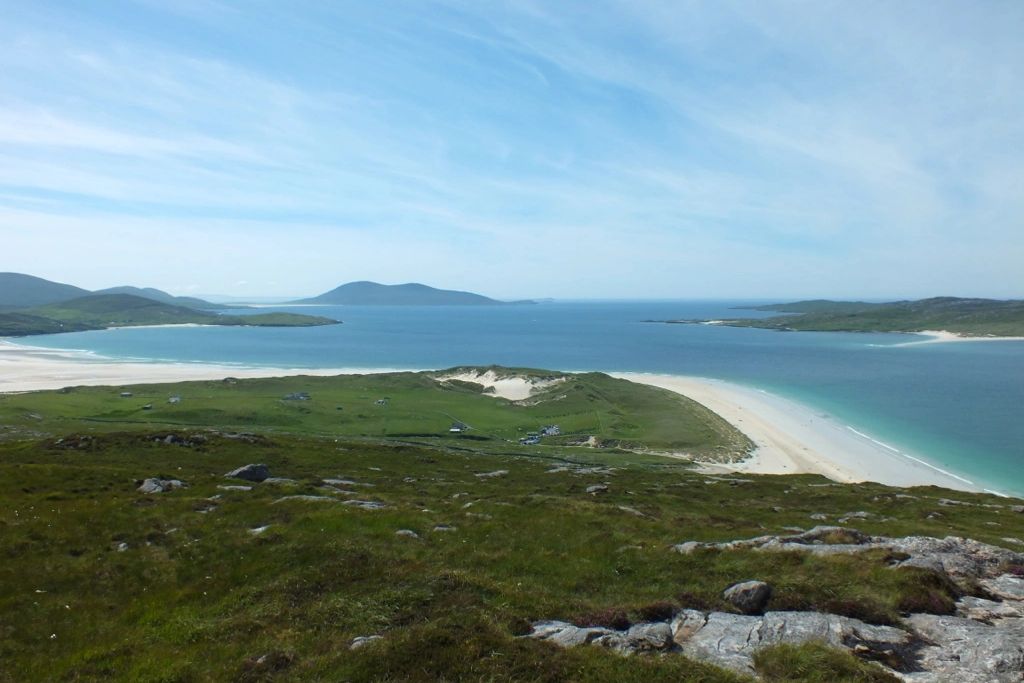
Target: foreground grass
<point x="100" y="582"/>
<point x="194" y="595"/>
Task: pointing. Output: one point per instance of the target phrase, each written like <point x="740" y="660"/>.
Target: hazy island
<point x="31" y="306"/>
<point x="960" y="316"/>
<point x="411" y="294"/>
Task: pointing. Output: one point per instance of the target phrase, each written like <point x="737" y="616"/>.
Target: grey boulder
<point x="750" y="597"/>
<point x="256" y="473"/>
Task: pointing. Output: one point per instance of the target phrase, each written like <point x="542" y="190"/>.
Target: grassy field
<point x="100" y="582"/>
<point x="415" y="407"/>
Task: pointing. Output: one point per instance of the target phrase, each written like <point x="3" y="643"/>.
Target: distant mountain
<point x="100" y="311"/>
<point x="164" y="297"/>
<point x="411" y="294"/>
<point x="20" y="291"/>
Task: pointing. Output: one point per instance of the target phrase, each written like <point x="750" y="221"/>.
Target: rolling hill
<point x="102" y="311"/>
<point x="410" y="294"/>
<point x="164" y="297"/>
<point x="21" y="291"/>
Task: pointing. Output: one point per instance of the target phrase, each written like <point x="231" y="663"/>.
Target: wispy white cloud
<point x="690" y="148"/>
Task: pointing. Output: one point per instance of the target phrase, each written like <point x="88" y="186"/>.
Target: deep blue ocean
<point x="958" y="405"/>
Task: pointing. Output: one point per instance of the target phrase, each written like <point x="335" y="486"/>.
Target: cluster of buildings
<point x="533" y="438"/>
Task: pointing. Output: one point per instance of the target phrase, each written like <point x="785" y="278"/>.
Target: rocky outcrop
<point x="982" y="643"/>
<point x="961" y="559"/>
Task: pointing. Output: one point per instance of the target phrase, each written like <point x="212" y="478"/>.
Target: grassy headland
<point x="101" y="582"/>
<point x="102" y="311"/>
<point x="968" y="317"/>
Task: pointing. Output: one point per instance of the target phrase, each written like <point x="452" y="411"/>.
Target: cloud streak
<point x="691" y="149"/>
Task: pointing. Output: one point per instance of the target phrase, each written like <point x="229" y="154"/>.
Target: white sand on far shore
<point x="943" y="336"/>
<point x="792" y="438"/>
<point x="27" y="368"/>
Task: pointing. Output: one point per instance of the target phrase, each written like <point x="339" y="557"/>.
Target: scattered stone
<point x="750" y="597"/>
<point x="256" y="473"/>
<point x="307" y="498"/>
<point x="596" y="489"/>
<point x="157" y="485"/>
<point x="365" y="504"/>
<point x="260" y="529"/>
<point x="407" y="533"/>
<point x="279" y="480"/>
<point x="1017" y="508"/>
<point x="688" y="547"/>
<point x="947" y="502"/>
<point x="362" y="641"/>
<point x="444" y="527"/>
<point x="860" y="514"/>
<point x="233" y="487"/>
<point x="819" y="517"/>
<point x="1015" y="541"/>
<point x="122" y="546"/>
<point x="632" y="511"/>
<point x="492" y="475"/>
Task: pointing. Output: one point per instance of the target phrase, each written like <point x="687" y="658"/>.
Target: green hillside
<point x="446" y="547"/>
<point x="101" y="311"/>
<point x="971" y="317"/>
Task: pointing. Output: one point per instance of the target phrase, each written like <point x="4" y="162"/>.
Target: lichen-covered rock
<point x="730" y="640"/>
<point x="254" y="472"/>
<point x="1006" y="587"/>
<point x="989" y="611"/>
<point x="962" y="559"/>
<point x="968" y="651"/>
<point x="749" y="597"/>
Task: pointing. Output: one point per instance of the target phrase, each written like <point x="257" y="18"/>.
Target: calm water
<point x="960" y="406"/>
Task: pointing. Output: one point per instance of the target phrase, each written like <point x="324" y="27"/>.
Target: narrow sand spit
<point x="792" y="438"/>
<point x="26" y="368"/>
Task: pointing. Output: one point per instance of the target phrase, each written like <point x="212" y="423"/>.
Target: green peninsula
<point x="966" y="317"/>
<point x="102" y="311"/>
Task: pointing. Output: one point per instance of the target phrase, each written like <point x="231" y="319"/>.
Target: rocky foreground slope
<point x="982" y="642"/>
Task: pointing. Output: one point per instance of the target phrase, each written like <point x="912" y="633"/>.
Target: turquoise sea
<point x="959" y="406"/>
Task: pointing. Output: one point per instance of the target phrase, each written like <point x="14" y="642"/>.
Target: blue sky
<point x="565" y="149"/>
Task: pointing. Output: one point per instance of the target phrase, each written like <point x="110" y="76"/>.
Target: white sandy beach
<point x="791" y="438"/>
<point x="27" y="368"/>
